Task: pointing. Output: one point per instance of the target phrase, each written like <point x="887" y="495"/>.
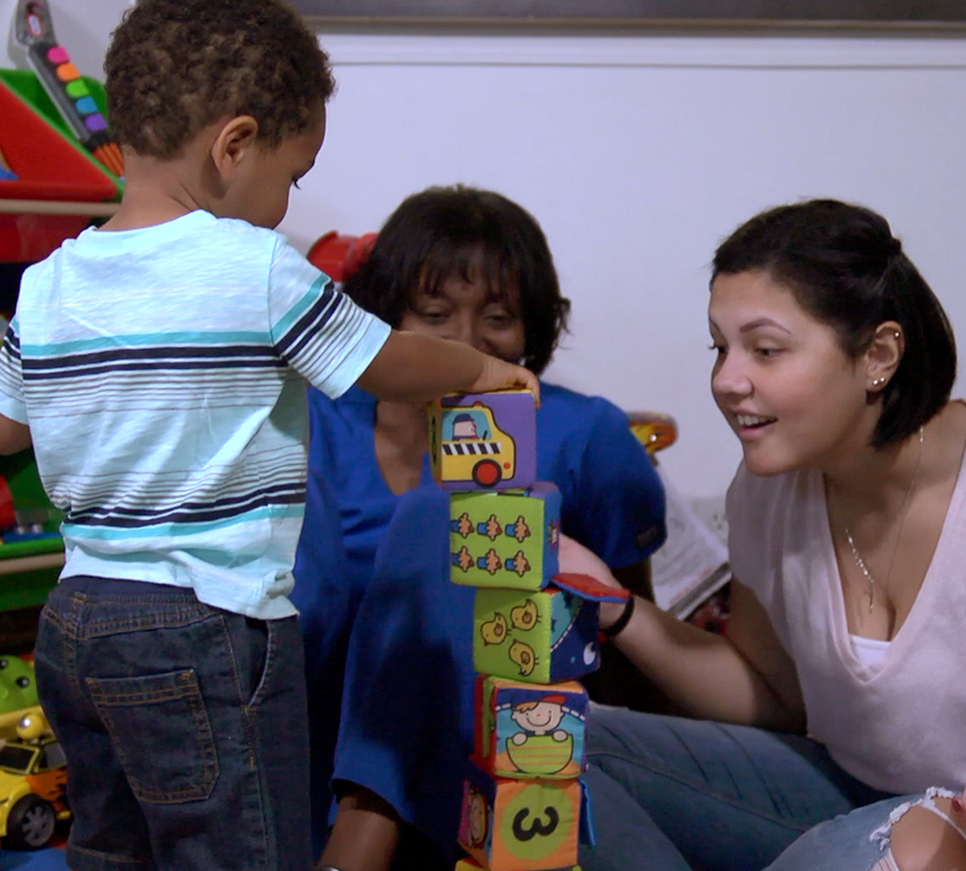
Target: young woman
<point x="391" y="648"/>
<point x="834" y="363"/>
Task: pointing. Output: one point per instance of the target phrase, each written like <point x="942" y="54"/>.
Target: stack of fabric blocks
<point x="535" y="631"/>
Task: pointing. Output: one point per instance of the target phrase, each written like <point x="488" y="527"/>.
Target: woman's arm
<point x="365" y="834"/>
<point x="744" y="678"/>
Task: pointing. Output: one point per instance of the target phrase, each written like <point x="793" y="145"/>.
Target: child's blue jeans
<point x="184" y="728"/>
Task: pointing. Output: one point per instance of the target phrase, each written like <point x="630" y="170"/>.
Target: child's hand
<point x="498" y="374"/>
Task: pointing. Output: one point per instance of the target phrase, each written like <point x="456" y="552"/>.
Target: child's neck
<point x="158" y="191"/>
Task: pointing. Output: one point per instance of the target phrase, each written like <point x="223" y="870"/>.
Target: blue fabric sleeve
<point x="618" y="505"/>
<point x="406" y="725"/>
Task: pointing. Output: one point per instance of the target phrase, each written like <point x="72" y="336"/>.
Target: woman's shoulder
<point x="570" y="410"/>
<point x="338" y="427"/>
<point x="354" y="408"/>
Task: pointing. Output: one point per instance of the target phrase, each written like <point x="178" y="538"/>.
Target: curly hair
<point x="462" y="231"/>
<point x="176" y="66"/>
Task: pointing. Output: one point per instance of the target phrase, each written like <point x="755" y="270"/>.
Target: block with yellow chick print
<point x="540" y="636"/>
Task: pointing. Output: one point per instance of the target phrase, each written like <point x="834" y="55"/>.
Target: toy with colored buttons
<point x="34" y="31"/>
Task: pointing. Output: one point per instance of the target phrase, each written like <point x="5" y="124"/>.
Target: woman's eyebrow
<point x="762" y="322"/>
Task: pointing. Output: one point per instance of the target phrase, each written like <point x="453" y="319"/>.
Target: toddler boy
<point x="158" y="364"/>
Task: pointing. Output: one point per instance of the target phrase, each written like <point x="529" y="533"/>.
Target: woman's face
<point x="467" y="312"/>
<point x="781" y="378"/>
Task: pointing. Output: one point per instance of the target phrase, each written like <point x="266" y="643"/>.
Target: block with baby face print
<point x="525" y="730"/>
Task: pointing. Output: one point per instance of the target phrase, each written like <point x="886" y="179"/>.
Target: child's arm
<point x="14" y="436"/>
<point x="412" y="366"/>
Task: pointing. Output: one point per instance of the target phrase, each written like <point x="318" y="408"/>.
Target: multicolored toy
<point x="34" y="32"/>
<point x="18" y="693"/>
<point x="505" y="539"/>
<point x="484" y="441"/>
<point x="520" y="825"/>
<point x="529" y="731"/>
<point x="541" y="636"/>
<point x="653" y="429"/>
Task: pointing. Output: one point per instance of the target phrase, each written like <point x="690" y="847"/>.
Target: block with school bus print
<point x="525" y="730"/>
<point x="507" y="539"/>
<point x="484" y="441"/>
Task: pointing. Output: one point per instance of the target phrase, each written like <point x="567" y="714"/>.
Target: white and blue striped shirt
<point x="161" y="373"/>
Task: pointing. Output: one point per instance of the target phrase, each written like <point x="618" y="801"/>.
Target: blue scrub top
<point x="612" y="502"/>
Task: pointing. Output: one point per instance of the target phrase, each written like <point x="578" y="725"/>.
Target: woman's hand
<point x="576" y="558"/>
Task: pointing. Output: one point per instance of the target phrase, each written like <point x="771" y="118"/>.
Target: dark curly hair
<point x="443" y="232"/>
<point x="847" y="270"/>
<point x="176" y="66"/>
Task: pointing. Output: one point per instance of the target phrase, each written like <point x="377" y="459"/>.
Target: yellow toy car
<point x="473" y="447"/>
<point x="33" y="784"/>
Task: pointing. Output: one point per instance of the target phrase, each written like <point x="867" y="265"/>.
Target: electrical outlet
<point x="711" y="512"/>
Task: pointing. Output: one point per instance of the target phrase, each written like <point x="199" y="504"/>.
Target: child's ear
<point x="233" y="144"/>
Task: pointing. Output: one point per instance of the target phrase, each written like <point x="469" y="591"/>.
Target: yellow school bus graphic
<point x="473" y="447"/>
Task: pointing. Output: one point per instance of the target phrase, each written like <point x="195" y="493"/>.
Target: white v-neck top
<point x="898" y="723"/>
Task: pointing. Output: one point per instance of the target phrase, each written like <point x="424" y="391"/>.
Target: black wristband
<point x="618" y="625"/>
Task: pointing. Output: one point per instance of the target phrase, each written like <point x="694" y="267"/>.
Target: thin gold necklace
<point x="901" y="517"/>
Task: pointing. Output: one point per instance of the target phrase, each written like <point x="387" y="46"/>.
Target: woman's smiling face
<point x="470" y="312"/>
<point x="781" y="377"/>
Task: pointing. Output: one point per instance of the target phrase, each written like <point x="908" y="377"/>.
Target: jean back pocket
<point x="160" y="728"/>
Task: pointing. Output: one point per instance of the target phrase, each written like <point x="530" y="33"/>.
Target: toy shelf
<point x="56" y="207"/>
<point x="29" y="569"/>
<point x="59" y="187"/>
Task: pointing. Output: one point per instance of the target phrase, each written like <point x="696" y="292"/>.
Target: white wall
<point x="638" y="154"/>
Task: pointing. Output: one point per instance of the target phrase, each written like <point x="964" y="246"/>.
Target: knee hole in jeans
<point x="927" y="835"/>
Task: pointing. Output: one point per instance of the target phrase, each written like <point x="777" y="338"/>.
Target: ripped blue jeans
<point x="184" y="728"/>
<point x="674" y="794"/>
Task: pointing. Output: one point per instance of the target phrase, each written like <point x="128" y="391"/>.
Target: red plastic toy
<point x="339" y="255"/>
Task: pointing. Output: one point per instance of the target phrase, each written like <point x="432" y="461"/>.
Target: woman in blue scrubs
<point x="387" y="635"/>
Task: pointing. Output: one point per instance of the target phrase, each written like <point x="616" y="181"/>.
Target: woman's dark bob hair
<point x="444" y="232"/>
<point x="847" y="270"/>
